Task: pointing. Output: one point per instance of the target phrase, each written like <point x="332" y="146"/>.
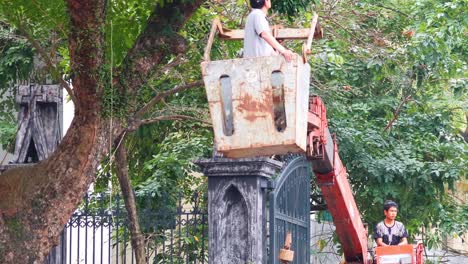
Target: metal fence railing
<point x="175" y="232"/>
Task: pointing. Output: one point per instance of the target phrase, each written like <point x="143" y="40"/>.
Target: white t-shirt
<point x="254" y="44"/>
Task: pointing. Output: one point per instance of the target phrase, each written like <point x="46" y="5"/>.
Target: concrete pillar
<point x="237" y="211"/>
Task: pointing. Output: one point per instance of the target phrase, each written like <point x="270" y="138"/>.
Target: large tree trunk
<point x="37" y="201"/>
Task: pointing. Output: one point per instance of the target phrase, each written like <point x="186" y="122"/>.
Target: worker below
<point x="390" y="232"/>
<point x="258" y="40"/>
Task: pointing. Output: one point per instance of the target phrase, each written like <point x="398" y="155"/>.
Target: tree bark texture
<point x="37" y="201"/>
<point x="137" y="238"/>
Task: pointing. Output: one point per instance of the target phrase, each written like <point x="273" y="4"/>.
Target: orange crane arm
<point x="332" y="180"/>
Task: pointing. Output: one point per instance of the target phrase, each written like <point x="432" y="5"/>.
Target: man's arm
<point x="378" y="236"/>
<point x="380" y="242"/>
<point x="287" y="54"/>
<point x="403" y="241"/>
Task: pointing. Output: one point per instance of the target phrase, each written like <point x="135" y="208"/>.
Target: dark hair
<point x="389" y="204"/>
<point x="257" y="3"/>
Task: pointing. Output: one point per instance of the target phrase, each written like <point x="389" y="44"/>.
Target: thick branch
<point x="158" y="40"/>
<point x="138" y="241"/>
<point x="86" y="44"/>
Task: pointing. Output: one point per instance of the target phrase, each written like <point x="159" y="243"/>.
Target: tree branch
<point x="171" y="117"/>
<point x="177" y="61"/>
<point x="165" y="94"/>
<point x="345" y="29"/>
<point x="50" y="65"/>
<point x="137" y="239"/>
<point x="397" y="111"/>
<point x="392" y="9"/>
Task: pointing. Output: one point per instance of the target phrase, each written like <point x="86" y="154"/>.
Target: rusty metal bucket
<point x="258" y="105"/>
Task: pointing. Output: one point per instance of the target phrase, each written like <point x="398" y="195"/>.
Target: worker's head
<point x="390" y="209"/>
<point x="260" y="3"/>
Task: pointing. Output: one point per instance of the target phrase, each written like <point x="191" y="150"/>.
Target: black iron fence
<point x="175" y="232"/>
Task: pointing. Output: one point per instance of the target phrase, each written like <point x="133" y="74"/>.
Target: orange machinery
<point x="399" y="254"/>
<point x="332" y="179"/>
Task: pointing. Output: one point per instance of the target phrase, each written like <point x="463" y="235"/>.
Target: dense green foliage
<point x="395" y="87"/>
<point x="392" y="73"/>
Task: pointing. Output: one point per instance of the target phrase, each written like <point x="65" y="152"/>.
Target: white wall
<point x="68" y="112"/>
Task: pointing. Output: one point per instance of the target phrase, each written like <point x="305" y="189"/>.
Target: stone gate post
<point x="237" y="211"/>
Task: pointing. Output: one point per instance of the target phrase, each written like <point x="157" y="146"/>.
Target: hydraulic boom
<point x="332" y="179"/>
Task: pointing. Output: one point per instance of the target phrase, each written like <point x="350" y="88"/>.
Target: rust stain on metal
<point x="254" y="109"/>
<point x="248" y="104"/>
<point x="253" y="117"/>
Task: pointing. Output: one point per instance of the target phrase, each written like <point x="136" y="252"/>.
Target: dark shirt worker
<point x="390" y="232"/>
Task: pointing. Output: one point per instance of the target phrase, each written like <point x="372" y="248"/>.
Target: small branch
<point x="176" y="62"/>
<point x="164" y="94"/>
<point x="345" y="29"/>
<point x="53" y="70"/>
<point x="46" y="15"/>
<point x="392" y="9"/>
<point x="396" y="113"/>
<point x="170" y="117"/>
